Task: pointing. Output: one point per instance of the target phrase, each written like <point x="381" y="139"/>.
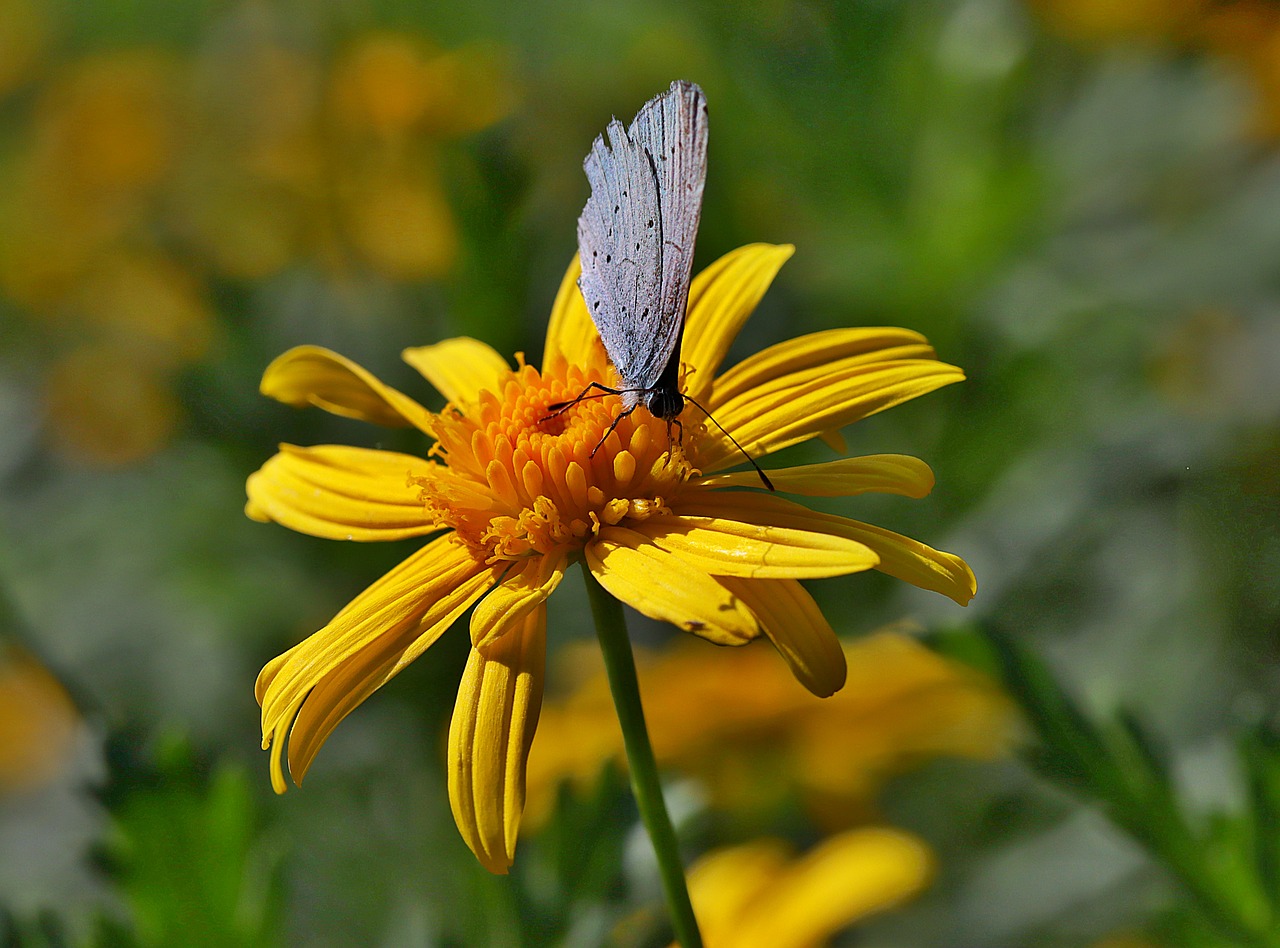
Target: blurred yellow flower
<point x="760" y="895"/>
<point x="110" y="125"/>
<point x="738" y="723"/>
<point x="336" y="166"/>
<point x="390" y="84"/>
<point x="138" y="175"/>
<point x="523" y="495"/>
<point x="1109" y="20"/>
<point x="25" y="29"/>
<point x="105" y="408"/>
<point x="1244" y="31"/>
<point x="38" y="724"/>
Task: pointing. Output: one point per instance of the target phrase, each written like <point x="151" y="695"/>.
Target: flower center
<point x="522" y="478"/>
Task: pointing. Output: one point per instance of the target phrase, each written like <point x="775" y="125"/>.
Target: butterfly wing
<point x="637" y="231"/>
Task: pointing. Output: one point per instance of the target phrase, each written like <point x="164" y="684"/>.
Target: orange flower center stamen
<point x="520" y="480"/>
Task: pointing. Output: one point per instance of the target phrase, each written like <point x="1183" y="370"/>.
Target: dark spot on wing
<point x="608" y="258"/>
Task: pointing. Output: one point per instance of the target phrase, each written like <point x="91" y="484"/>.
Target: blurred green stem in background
<point x="1227" y="864"/>
<point x="611" y="628"/>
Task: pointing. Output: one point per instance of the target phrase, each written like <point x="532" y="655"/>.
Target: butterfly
<point x="636" y="237"/>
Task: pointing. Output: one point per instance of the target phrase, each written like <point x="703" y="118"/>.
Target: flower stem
<point x="620" y="666"/>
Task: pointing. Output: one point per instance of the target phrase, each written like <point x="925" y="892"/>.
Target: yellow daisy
<point x="518" y="496"/>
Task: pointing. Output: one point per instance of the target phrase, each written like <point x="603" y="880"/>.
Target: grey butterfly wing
<point x="636" y="234"/>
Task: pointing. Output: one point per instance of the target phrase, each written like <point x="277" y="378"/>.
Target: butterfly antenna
<point x="764" y="478"/>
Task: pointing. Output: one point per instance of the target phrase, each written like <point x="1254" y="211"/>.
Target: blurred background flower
<point x="1075" y="200"/>
<point x="737" y="721"/>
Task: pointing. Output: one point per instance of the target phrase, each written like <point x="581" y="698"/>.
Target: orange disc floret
<point x="534" y="469"/>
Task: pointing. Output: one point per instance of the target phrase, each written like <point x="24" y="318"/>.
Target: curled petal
<point x="875" y="473"/>
<point x="360" y="675"/>
<point x="340" y="493"/>
<point x="571" y="335"/>
<point x="721" y="298"/>
<point x="310" y="375"/>
<point x="794" y="408"/>
<point x="814" y="354"/>
<point x="666" y="587"/>
<point x="400" y="614"/>
<point x="752" y="550"/>
<point x="459" y="368"/>
<point x="524" y="588"/>
<point x="899" y="556"/>
<point x="797" y="628"/>
<point x="489" y="738"/>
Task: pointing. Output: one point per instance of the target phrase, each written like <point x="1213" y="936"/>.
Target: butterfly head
<point x="664" y="403"/>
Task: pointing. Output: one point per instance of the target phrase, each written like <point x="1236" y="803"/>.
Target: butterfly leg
<point x="559" y="408"/>
<point x="608" y="431"/>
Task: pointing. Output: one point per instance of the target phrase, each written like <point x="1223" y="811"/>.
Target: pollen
<point x="533" y="468"/>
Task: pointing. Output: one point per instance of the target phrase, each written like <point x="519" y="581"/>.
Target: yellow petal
<point x="340" y="493"/>
<point x="363" y="673"/>
<point x="834" y="440"/>
<point x="571" y="335"/>
<point x="310" y="375"/>
<point x="814" y="354"/>
<point x="875" y="473"/>
<point x="525" y="587"/>
<point x="489" y="739"/>
<point x="915" y="562"/>
<point x="841" y="880"/>
<point x="666" y="587"/>
<point x="459" y="368"/>
<point x="737" y="547"/>
<point x="721" y="298"/>
<point x="792" y="409"/>
<point x="726" y="883"/>
<point x="797" y="628"/>
<point x="425" y="587"/>
<point x="900" y="557"/>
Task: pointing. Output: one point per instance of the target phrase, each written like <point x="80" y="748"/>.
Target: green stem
<point x="620" y="665"/>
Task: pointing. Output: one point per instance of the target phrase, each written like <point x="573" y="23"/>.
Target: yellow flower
<point x="738" y="723"/>
<point x="758" y="894"/>
<point x="522" y="495"/>
<point x="38" y="724"/>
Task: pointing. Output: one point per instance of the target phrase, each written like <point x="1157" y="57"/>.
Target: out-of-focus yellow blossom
<point x="761" y="895"/>
<point x="391" y="84"/>
<point x="139" y="174"/>
<point x="38" y="724"/>
<point x="740" y="723"/>
<point x="1244" y="31"/>
<point x="104" y="408"/>
<point x="1090" y="20"/>
<point x="1248" y="32"/>
<point x="336" y="168"/>
<point x="79" y="219"/>
<point x="109" y="125"/>
<point x="25" y="29"/>
<point x="88" y="173"/>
